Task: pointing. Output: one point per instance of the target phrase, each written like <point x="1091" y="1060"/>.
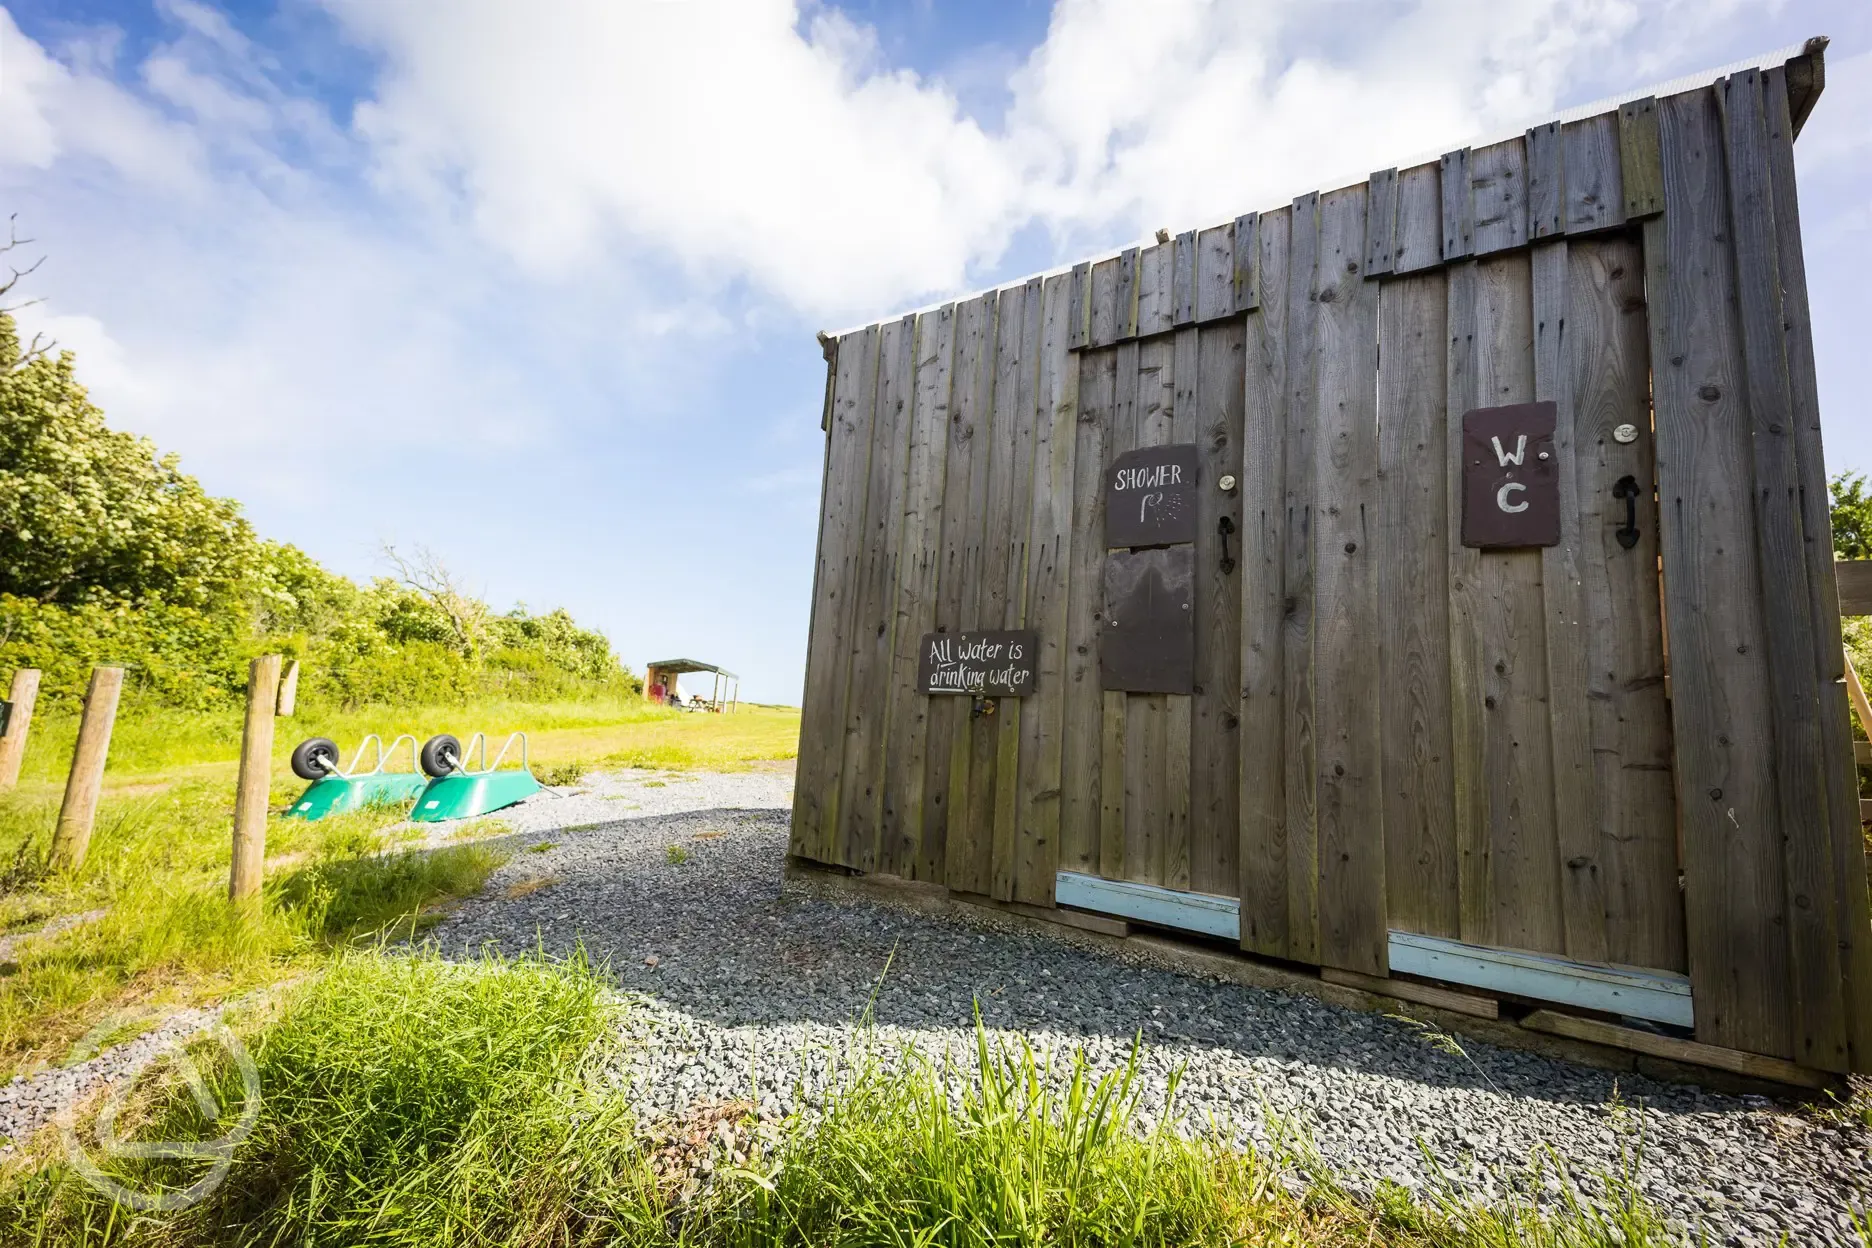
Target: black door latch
<point x="1226" y="526"/>
<point x="1627" y="489"/>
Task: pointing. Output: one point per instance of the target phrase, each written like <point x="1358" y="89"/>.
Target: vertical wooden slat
<point x="1263" y="853"/>
<point x="1215" y="718"/>
<point x="1841" y="776"/>
<point x="1469" y="814"/>
<point x="1498" y="191"/>
<point x="1080" y="315"/>
<point x="1247" y="262"/>
<point x="1381" y="195"/>
<point x="1575" y="797"/>
<point x="1517" y="752"/>
<point x="1546" y="181"/>
<point x="1417" y="237"/>
<point x="1156" y="307"/>
<point x="1299" y="781"/>
<point x="1641" y="171"/>
<point x="861" y="776"/>
<point x="1734" y="881"/>
<point x="1179" y="709"/>
<point x="1636" y="819"/>
<point x="1413" y="589"/>
<point x="1126" y="315"/>
<point x="1183" y="279"/>
<point x="1104" y="309"/>
<point x="1458" y="206"/>
<point x="835" y="595"/>
<point x="1817" y="1006"/>
<point x="1148" y="800"/>
<point x="1080" y="818"/>
<point x="1120" y="436"/>
<point x="1353" y="931"/>
<point x="1215" y="273"/>
<point x="1015" y="392"/>
<point x="918" y="563"/>
<point x="1049" y="560"/>
<point x="1595" y="191"/>
<point x="946" y="756"/>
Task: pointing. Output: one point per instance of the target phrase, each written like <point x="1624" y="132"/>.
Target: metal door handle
<point x="1627" y="489"/>
<point x="1226" y="526"/>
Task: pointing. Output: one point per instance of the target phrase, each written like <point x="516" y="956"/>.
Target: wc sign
<point x="1511" y="477"/>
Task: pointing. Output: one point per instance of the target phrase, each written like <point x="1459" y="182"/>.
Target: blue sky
<point x="536" y="285"/>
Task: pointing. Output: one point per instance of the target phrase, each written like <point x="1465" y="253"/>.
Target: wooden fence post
<point x="25" y="692"/>
<point x="289" y="689"/>
<point x="78" y="812"/>
<point x="256" y="765"/>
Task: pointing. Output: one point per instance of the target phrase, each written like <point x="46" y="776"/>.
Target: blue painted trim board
<point x="1147" y="903"/>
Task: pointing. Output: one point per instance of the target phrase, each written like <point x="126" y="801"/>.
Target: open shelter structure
<point x="1428" y="581"/>
<point x="725" y="691"/>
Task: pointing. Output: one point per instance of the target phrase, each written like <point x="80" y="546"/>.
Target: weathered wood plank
<point x="1641" y="170"/>
<point x="861" y="777"/>
<point x="1517" y="750"/>
<point x="1147" y="727"/>
<point x="1120" y="436"/>
<point x="1183" y="279"/>
<point x="1498" y="190"/>
<point x="1381" y="207"/>
<point x="1215" y="273"/>
<point x="1469" y="814"/>
<point x="1180" y="709"/>
<point x="835" y="593"/>
<point x="1417" y="238"/>
<point x="1262" y="858"/>
<point x="1215" y="830"/>
<point x="1127" y="294"/>
<point x="1049" y="567"/>
<point x="1595" y="188"/>
<point x="1411" y="990"/>
<point x="945" y="785"/>
<point x="1823" y="591"/>
<point x="1458" y="206"/>
<point x="1598" y="1031"/>
<point x="1016" y="397"/>
<point x="1299" y="781"/>
<point x="1104" y="308"/>
<point x="1546" y="181"/>
<point x="1853" y="577"/>
<point x="1247" y="262"/>
<point x="1575" y="779"/>
<point x="1636" y="818"/>
<point x="1353" y="929"/>
<point x="1081" y="819"/>
<point x="1413" y="591"/>
<point x="1081" y="315"/>
<point x="918" y="566"/>
<point x="1156" y="312"/>
<point x="1818" y="1006"/>
<point x="1734" y="879"/>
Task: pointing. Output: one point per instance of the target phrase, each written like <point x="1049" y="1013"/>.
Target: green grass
<point x="410" y="1101"/>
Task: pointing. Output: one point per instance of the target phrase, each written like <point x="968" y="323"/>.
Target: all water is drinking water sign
<point x="987" y="664"/>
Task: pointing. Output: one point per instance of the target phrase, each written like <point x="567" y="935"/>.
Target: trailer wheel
<point x="315" y="759"/>
<point x="441" y="755"/>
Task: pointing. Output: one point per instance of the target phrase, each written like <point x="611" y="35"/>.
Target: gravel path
<point x="747" y="992"/>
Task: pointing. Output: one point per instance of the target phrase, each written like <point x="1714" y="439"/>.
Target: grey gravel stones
<point x="747" y="991"/>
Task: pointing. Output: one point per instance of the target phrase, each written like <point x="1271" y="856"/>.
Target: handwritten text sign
<point x="1511" y="477"/>
<point x="1150" y="497"/>
<point x="990" y="665"/>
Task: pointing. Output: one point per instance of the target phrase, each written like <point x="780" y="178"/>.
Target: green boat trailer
<point x="339" y="792"/>
<point x="457" y="792"/>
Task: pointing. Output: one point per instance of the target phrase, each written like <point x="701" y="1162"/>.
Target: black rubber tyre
<point x="315" y="759"/>
<point x="441" y="755"/>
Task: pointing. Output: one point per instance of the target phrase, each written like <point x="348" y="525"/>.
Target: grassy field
<point x="414" y="1102"/>
<point x="163" y="934"/>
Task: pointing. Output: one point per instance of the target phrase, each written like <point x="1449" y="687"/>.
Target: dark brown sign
<point x="1147" y="638"/>
<point x="1511" y="477"/>
<point x="1150" y="497"/>
<point x="987" y="664"/>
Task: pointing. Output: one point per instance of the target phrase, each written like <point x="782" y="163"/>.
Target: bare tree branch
<point x="425" y="572"/>
<point x="13" y="242"/>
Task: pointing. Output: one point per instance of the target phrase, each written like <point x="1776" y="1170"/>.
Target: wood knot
<point x="1709" y="394"/>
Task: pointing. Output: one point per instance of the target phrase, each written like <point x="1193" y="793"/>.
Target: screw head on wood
<point x="1625" y="434"/>
<point x="1226" y="483"/>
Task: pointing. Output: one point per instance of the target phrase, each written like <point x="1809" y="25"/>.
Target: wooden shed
<point x="1353" y="709"/>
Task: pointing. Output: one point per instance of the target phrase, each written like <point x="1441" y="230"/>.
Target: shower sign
<point x="987" y="664"/>
<point x="1150" y="497"/>
<point x="1511" y="477"/>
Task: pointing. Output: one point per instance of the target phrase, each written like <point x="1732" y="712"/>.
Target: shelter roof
<point x="676" y="667"/>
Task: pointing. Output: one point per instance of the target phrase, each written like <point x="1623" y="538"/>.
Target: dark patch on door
<point x="1150" y="496"/>
<point x="998" y="664"/>
<point x="1511" y="477"/>
<point x="1148" y="640"/>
